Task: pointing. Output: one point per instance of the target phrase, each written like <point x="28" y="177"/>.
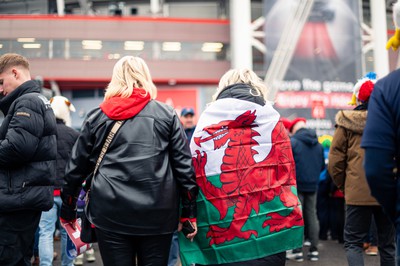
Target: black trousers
<point x="129" y="250"/>
<point x="16" y="247"/>
<point x="358" y="223"/>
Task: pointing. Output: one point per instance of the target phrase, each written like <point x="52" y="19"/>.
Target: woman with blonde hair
<point x="248" y="211"/>
<point x="244" y="76"/>
<point x="147" y="169"/>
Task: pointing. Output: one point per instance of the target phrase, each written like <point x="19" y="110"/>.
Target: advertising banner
<point x="326" y="61"/>
<point x="179" y="98"/>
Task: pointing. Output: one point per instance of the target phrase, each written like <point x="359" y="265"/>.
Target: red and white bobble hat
<point x="363" y="88"/>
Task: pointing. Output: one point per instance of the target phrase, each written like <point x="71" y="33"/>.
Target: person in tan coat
<point x="346" y="169"/>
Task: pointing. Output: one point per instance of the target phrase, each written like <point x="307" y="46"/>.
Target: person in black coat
<point x="66" y="137"/>
<point x="28" y="152"/>
<point x="147" y="171"/>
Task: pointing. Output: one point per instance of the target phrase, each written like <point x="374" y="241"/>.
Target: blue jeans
<point x="358" y="222"/>
<point x="309" y="204"/>
<point x="47" y="227"/>
<point x="174" y="251"/>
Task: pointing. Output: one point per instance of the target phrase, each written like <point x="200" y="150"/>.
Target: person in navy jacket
<point x="308" y="155"/>
<point x="382" y="149"/>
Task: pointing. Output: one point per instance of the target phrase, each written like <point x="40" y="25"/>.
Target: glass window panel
<point x="59" y="48"/>
<point x="88" y="52"/>
<point x="101" y="92"/>
<point x="83" y="94"/>
<point x="77" y="49"/>
<point x="5" y="46"/>
<point x="31" y="49"/>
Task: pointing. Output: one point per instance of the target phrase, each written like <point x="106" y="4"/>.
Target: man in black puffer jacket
<point x="28" y="151"/>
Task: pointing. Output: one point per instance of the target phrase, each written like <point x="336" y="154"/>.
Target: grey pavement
<point x="331" y="254"/>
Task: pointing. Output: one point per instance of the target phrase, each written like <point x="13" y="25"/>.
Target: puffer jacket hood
<point x="352" y="120"/>
<point x="118" y="108"/>
<point x="307" y="136"/>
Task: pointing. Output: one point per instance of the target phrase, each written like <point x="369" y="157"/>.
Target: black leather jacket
<point x="145" y="171"/>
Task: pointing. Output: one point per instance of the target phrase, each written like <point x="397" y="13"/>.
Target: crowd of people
<point x="244" y="186"/>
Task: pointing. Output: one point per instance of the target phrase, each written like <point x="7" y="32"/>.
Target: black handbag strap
<point x="111" y="134"/>
<point x="106" y="144"/>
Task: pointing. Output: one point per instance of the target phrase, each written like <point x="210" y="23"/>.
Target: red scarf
<point x="118" y="108"/>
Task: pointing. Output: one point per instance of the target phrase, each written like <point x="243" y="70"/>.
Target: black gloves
<point x="68" y="208"/>
<point x="189" y="205"/>
<point x="67" y="214"/>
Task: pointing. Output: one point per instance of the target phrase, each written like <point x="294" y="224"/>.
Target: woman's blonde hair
<point x="245" y="76"/>
<point x="130" y="72"/>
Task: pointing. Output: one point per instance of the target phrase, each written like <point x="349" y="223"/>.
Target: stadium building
<point x="310" y="52"/>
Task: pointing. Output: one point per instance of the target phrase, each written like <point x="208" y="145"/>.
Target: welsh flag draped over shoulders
<point x="247" y="206"/>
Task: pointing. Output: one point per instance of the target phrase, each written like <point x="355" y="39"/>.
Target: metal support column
<point x="155" y="7"/>
<point x="61" y="7"/>
<point x="379" y="33"/>
<point x="241" y="34"/>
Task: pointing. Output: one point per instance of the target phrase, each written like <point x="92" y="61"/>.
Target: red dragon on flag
<point x="255" y="197"/>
